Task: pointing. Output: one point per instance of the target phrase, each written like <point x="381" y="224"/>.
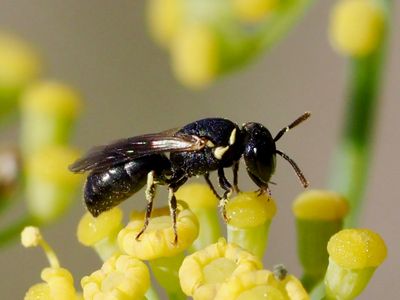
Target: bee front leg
<point x="211" y="186"/>
<point x="235" y="170"/>
<point x="227" y="186"/>
<point x="150" y="193"/>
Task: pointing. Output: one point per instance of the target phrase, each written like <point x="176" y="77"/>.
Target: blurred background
<point x="103" y="49"/>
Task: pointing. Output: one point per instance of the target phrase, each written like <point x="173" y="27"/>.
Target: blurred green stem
<point x="12" y="231"/>
<point x="353" y="155"/>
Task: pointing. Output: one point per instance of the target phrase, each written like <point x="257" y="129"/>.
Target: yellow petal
<point x="157" y="240"/>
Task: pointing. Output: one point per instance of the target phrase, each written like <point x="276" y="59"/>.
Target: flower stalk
<point x="350" y="169"/>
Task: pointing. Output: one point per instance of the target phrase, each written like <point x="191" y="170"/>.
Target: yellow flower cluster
<point x="226" y="271"/>
<point x="221" y="270"/>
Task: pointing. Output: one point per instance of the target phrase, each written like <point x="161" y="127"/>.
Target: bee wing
<point x="103" y="157"/>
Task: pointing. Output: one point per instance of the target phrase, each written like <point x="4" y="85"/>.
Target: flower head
<point x="202" y="273"/>
<point x="357" y="26"/>
<point x="261" y="284"/>
<point x="19" y="63"/>
<point x="58" y="282"/>
<point x="50" y="187"/>
<point x="120" y="277"/>
<point x="157" y="240"/>
<point x="354" y="255"/>
<point x="250" y="217"/>
<point x="101" y="232"/>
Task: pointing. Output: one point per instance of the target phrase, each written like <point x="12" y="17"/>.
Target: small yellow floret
<point x="357" y="26"/>
<point x="92" y="230"/>
<point x="261" y="284"/>
<point x="195" y="55"/>
<point x="60" y="282"/>
<point x="158" y="239"/>
<point x="40" y="291"/>
<point x="19" y="64"/>
<point x="51" y="164"/>
<point x="53" y="98"/>
<point x="30" y="236"/>
<point x="202" y="273"/>
<point x="320" y="205"/>
<point x="120" y="277"/>
<point x="164" y="19"/>
<point x="253" y="10"/>
<point x="357" y="248"/>
<point x="197" y="195"/>
<point x="248" y="209"/>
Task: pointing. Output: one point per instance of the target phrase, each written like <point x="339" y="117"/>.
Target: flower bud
<point x="50" y="187"/>
<point x="203" y="203"/>
<point x="319" y="215"/>
<point x="357" y="26"/>
<point x="250" y="217"/>
<point x="354" y="255"/>
<point x="48" y="111"/>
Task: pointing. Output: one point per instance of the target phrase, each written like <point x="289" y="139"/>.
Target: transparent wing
<point x="103" y="157"/>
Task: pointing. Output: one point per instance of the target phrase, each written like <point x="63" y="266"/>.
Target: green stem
<point x="165" y="270"/>
<point x="243" y="45"/>
<point x="353" y="156"/>
<point x="151" y="294"/>
<point x="13" y="231"/>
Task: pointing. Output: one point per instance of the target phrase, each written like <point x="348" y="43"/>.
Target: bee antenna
<point x="296" y="168"/>
<point x="296" y="122"/>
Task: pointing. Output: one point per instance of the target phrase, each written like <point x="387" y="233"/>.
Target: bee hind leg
<point x="150" y="193"/>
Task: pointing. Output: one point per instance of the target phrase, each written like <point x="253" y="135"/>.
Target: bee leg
<point x="227" y="186"/>
<point x="172" y="188"/>
<point x="150" y="193"/>
<point x="172" y="209"/>
<point x="207" y="178"/>
<point x="235" y="170"/>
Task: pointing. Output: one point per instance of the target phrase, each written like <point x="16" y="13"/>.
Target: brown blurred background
<point x="103" y="49"/>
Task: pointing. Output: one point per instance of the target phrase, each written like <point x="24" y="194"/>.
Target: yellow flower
<point x="59" y="283"/>
<point x="354" y="255"/>
<point x="253" y="10"/>
<point x="204" y="204"/>
<point x="250" y="217"/>
<point x="158" y="239"/>
<point x="19" y="63"/>
<point x="357" y="248"/>
<point x="120" y="277"/>
<point x="203" y="272"/>
<point x="320" y="205"/>
<point x="101" y="232"/>
<point x="319" y="215"/>
<point x="248" y="209"/>
<point x="50" y="187"/>
<point x="48" y="113"/>
<point x="357" y="26"/>
<point x="261" y="284"/>
<point x="194" y="54"/>
<point x="164" y="19"/>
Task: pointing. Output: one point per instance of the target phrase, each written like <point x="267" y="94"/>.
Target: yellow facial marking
<point x="219" y="152"/>
<point x="232" y="137"/>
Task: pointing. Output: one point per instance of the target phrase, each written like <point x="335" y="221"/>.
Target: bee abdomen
<point x="107" y="189"/>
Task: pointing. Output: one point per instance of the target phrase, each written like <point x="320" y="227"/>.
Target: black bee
<point x="120" y="169"/>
